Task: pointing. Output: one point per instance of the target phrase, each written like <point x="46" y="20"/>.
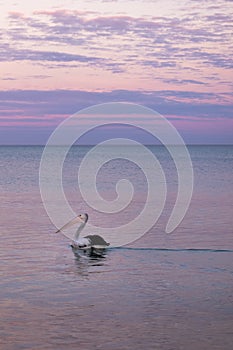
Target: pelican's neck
<point x="80" y="228"/>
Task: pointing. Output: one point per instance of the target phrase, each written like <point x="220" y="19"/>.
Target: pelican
<point x="90" y="243"/>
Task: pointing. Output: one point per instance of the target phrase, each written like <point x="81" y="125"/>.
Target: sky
<point x="175" y="57"/>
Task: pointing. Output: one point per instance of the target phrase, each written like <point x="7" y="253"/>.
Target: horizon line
<point x="93" y="144"/>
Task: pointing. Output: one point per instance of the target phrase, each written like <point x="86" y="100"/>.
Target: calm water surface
<point x="163" y="292"/>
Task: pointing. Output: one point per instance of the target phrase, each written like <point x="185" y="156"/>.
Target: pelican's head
<point x="83" y="217"/>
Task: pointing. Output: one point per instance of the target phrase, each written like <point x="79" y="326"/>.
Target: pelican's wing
<point x="72" y="222"/>
<point x="97" y="241"/>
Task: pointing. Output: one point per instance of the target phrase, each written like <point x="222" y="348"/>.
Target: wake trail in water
<point x="194" y="250"/>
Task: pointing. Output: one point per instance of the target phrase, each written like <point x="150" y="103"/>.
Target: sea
<point x="161" y="291"/>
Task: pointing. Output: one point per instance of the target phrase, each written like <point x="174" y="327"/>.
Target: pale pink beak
<point x="72" y="222"/>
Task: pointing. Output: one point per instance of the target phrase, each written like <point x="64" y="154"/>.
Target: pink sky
<point x="57" y="57"/>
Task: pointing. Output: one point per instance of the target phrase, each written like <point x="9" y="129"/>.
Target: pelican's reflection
<point x="86" y="260"/>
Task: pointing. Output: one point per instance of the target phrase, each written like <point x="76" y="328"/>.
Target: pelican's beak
<point x="72" y="222"/>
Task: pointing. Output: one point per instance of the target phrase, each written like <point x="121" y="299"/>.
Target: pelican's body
<point x="90" y="243"/>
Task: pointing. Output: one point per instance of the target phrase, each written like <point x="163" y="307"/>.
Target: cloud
<point x="184" y="54"/>
<point x="152" y="41"/>
<point x="39" y="55"/>
<point x="19" y="104"/>
<point x="8" y="78"/>
<point x="213" y="59"/>
<point x="30" y="116"/>
<point x="183" y="81"/>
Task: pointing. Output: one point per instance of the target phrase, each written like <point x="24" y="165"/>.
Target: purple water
<point x="165" y="291"/>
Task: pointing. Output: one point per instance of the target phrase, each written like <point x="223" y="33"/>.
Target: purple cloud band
<point x="65" y="102"/>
